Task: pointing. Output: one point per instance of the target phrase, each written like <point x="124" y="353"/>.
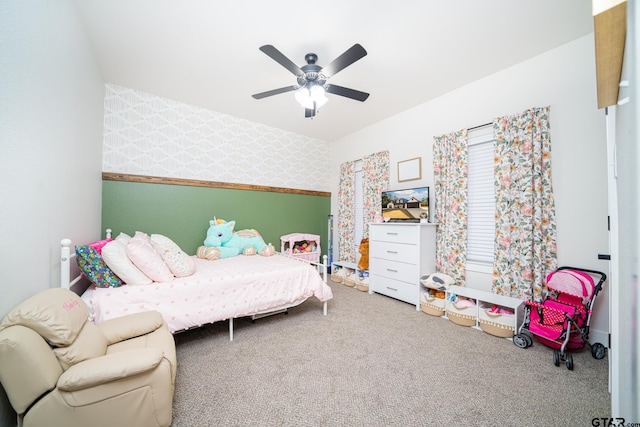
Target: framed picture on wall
<point x="410" y="169"/>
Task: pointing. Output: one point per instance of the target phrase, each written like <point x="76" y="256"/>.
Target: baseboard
<point x="599" y="336"/>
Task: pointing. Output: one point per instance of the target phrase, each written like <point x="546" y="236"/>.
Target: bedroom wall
<point x="149" y="135"/>
<point x="153" y="136"/>
<point x="51" y="115"/>
<point x="183" y="213"/>
<point x="564" y="79"/>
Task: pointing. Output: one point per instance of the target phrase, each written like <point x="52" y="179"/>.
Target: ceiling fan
<point x="312" y="78"/>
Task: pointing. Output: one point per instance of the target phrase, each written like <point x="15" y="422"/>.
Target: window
<point x="481" y="197"/>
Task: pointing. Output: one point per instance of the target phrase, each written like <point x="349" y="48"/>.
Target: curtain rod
<point x="480" y="126"/>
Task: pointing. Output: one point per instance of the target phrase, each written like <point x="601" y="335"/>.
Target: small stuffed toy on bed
<point x="438" y="281"/>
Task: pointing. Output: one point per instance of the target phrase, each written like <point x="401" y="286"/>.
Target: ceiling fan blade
<point x="350" y="56"/>
<point x="275" y="92"/>
<point x="277" y="56"/>
<point x="346" y="92"/>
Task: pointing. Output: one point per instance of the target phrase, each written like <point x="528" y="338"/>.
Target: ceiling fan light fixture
<point x="310" y="94"/>
<point x="317" y="93"/>
<point x="303" y="97"/>
<point x="311" y="78"/>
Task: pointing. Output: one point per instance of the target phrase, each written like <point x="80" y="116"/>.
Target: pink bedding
<point x="218" y="290"/>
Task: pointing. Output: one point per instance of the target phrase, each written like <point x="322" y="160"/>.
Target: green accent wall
<point x="182" y="213"/>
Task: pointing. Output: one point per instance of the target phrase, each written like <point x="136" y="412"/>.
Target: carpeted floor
<point x="376" y="361"/>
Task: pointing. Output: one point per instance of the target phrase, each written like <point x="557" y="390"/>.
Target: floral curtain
<point x="346" y="212"/>
<point x="450" y="161"/>
<point x="375" y="180"/>
<point x="525" y="244"/>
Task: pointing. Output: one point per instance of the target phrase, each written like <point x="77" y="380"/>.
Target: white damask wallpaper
<point x="145" y="134"/>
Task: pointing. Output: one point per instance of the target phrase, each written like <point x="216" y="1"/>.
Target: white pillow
<point x="123" y="237"/>
<point x="115" y="256"/>
<point x="180" y="264"/>
<point x="143" y="256"/>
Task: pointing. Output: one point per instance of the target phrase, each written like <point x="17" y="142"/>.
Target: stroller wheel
<point x="570" y="362"/>
<point x="520" y="340"/>
<point x="598" y="351"/>
<point x="556" y="357"/>
<point x="528" y="339"/>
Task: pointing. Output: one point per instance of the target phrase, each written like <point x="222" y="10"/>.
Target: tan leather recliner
<point x="59" y="369"/>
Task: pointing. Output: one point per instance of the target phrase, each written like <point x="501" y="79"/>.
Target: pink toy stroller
<point x="561" y="319"/>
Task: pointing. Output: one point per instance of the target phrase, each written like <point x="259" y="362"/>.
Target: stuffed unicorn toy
<point x="247" y="242"/>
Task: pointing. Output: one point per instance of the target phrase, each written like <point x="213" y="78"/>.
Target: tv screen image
<point x="411" y="204"/>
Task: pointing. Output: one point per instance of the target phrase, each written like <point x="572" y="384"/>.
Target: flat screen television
<point x="411" y="204"/>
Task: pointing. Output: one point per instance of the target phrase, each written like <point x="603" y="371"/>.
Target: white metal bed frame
<point x="66" y="255"/>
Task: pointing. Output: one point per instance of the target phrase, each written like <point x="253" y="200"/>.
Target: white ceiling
<point x="205" y="52"/>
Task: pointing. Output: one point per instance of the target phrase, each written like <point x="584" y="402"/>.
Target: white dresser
<point x="399" y="253"/>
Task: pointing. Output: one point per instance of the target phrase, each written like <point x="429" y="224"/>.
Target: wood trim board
<point x="111" y="176"/>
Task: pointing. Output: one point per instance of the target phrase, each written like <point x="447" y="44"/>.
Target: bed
<point x="224" y="289"/>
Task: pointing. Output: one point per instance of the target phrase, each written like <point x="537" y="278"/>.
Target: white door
<point x="613" y="282"/>
<point x="625" y="296"/>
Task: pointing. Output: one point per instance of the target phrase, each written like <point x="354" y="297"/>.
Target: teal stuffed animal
<point x="247" y="242"/>
<point x="220" y="232"/>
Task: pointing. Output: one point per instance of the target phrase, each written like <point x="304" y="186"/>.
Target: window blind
<point x="481" y="197"/>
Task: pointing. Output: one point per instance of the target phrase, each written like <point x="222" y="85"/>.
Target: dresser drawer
<point x="403" y="291"/>
<point x="394" y="270"/>
<point x="395" y="233"/>
<point x="395" y="252"/>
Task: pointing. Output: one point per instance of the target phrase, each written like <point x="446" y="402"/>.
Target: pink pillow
<point x="141" y="253"/>
<point x="115" y="256"/>
<point x="100" y="244"/>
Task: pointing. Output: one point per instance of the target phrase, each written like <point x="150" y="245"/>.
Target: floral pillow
<point x="180" y="264"/>
<point x="92" y="265"/>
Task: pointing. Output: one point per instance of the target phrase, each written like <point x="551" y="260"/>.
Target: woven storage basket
<point x="500" y="325"/>
<point x="350" y="279"/>
<point x="362" y="284"/>
<point x="337" y="274"/>
<point x="433" y="306"/>
<point x="463" y="316"/>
